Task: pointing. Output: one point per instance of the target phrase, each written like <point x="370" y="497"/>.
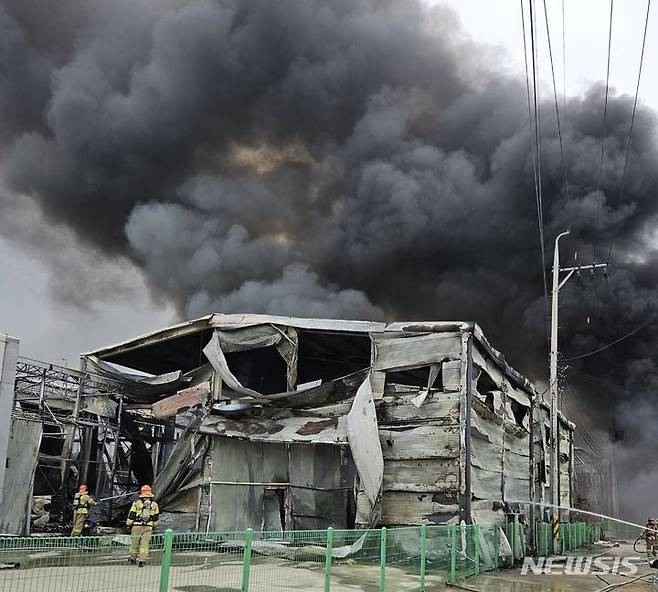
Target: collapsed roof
<point x="168" y="354"/>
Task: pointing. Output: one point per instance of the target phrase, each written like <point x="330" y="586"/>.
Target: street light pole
<point x="553" y="381"/>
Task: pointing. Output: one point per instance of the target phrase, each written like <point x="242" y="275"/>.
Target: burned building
<point x="287" y="423"/>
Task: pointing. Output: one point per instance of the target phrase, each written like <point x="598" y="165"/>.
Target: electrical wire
<point x="605" y="116"/>
<point x="630" y="130"/>
<point x="557" y="109"/>
<point x="564" y="65"/>
<point x="615" y="342"/>
<point x="530" y="118"/>
<point x="535" y="118"/>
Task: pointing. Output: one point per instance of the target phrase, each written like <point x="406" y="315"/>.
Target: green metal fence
<point x="573" y="535"/>
<point x="395" y="559"/>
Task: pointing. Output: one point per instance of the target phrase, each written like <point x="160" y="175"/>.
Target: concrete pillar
<point x="8" y="359"/>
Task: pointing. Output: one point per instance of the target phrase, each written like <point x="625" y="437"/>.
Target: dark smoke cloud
<point x="350" y="158"/>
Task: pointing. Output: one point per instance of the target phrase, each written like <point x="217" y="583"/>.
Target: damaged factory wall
<point x="541" y="446"/>
<point x="315" y="422"/>
<point x="277" y="486"/>
<point x="21" y="463"/>
<point x="8" y="358"/>
<point x="417" y="380"/>
<point x="500" y="445"/>
<point x="243" y="471"/>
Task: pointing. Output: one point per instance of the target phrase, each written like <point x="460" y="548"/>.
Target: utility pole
<point x="555" y="402"/>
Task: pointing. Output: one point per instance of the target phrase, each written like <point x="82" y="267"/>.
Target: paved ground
<point x="513" y="581"/>
<point x="272" y="578"/>
<point x="270" y="575"/>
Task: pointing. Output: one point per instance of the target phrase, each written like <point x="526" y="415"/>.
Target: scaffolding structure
<point x="90" y="434"/>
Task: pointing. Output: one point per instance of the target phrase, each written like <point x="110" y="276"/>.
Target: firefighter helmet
<point x="146" y="491"/>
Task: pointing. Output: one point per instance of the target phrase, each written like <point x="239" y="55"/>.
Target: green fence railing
<point x="409" y="558"/>
<point x="573" y="535"/>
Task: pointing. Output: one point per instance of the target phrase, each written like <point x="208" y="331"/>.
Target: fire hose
<point x="104" y="499"/>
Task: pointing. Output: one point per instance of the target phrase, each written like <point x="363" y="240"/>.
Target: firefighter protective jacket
<point x="144" y="512"/>
<point x="82" y="502"/>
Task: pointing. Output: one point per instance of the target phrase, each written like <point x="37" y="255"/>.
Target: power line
<point x="605" y="116"/>
<point x="557" y="109"/>
<point x="615" y="342"/>
<point x="564" y="66"/>
<point x="530" y="119"/>
<point x="630" y="130"/>
<point x="536" y="119"/>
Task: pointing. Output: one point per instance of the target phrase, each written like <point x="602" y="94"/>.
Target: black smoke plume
<point x="347" y="158"/>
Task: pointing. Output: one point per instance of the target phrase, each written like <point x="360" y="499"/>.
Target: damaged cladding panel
<point x="8" y="357"/>
<point x="24" y="442"/>
<point x="297" y="409"/>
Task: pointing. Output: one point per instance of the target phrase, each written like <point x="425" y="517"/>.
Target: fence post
<point x="246" y="559"/>
<point x="423" y="555"/>
<point x="476" y="534"/>
<point x="513" y="544"/>
<point x="453" y="553"/>
<point x="537" y="541"/>
<point x="573" y="533"/>
<point x="564" y="537"/>
<point x="166" y="560"/>
<point x="496" y="548"/>
<point x="327" y="559"/>
<point x="382" y="559"/>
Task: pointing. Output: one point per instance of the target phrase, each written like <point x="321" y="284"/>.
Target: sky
<point x="55" y="328"/>
<point x="498" y="23"/>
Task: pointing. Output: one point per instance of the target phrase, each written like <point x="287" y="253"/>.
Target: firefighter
<point x="142" y="519"/>
<point x="650" y="536"/>
<point x="82" y="501"/>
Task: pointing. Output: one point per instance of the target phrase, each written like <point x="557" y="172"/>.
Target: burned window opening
<point x="485" y="384"/>
<point x="262" y="370"/>
<point x="179" y="353"/>
<point x="519" y="411"/>
<point x="327" y="356"/>
<point x="417" y="377"/>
